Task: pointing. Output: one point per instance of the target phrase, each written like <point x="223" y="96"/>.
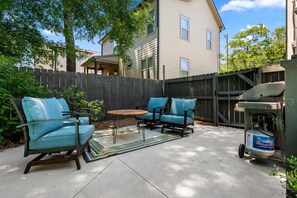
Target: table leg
<point x="142" y="127"/>
<point x="115" y="129"/>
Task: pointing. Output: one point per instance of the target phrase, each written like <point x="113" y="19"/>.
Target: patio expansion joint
<point x="142" y="177"/>
<point x="95" y="177"/>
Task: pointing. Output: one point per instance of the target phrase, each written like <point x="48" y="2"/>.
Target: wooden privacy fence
<point x="216" y="93"/>
<point x="117" y="92"/>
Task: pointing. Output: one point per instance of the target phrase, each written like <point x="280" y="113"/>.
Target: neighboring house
<point x="56" y="61"/>
<point x="291" y="28"/>
<point x="184" y="36"/>
<point x="108" y="63"/>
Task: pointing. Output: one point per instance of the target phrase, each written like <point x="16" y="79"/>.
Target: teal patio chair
<point x="45" y="133"/>
<point x="155" y="108"/>
<point x="181" y="115"/>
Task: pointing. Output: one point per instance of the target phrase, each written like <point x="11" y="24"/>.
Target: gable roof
<point x="216" y="14"/>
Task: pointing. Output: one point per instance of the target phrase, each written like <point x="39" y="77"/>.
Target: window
<point x="150" y="67"/>
<point x="151" y="27"/>
<point x="185" y="28"/>
<point x="208" y="39"/>
<point x="147" y="68"/>
<point x="143" y="68"/>
<point x="184" y="64"/>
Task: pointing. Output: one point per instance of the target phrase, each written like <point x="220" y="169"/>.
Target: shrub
<point x="13" y="84"/>
<point x="291" y="175"/>
<point x="77" y="101"/>
<point x="17" y="84"/>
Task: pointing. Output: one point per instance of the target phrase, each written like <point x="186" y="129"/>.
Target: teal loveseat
<point x="45" y="132"/>
<point x="155" y="108"/>
<point x="181" y="115"/>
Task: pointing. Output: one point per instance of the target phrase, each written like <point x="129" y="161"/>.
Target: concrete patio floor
<point x="204" y="164"/>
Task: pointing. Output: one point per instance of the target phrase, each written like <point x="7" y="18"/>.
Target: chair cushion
<point x="156" y="102"/>
<point x="62" y="137"/>
<point x="82" y="121"/>
<point x="36" y="109"/>
<point x="178" y="107"/>
<point x="64" y="107"/>
<point x="175" y="119"/>
<point x="149" y="116"/>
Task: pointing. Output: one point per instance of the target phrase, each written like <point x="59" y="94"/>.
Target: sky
<point x="237" y="15"/>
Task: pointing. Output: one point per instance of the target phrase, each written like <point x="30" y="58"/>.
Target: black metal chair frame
<point x="179" y="127"/>
<point x="150" y="123"/>
<point x="77" y="114"/>
<point x="17" y="103"/>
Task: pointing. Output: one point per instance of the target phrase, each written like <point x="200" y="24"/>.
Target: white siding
<point x="144" y="47"/>
<point x="107" y="47"/>
<point x="172" y="47"/>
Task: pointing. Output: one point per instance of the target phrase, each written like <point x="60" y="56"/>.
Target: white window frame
<point x="152" y="68"/>
<point x="181" y="69"/>
<point x="209" y="41"/>
<point x="153" y="23"/>
<point x="181" y="28"/>
<point x="145" y="71"/>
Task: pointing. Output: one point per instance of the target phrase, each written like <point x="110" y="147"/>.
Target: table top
<point x="127" y="112"/>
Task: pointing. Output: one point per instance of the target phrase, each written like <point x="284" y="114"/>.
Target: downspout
<point x="158" y="40"/>
<point x="287" y="55"/>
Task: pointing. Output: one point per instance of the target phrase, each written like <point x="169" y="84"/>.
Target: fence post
<point x="258" y="76"/>
<point x="163" y="83"/>
<point x="215" y="98"/>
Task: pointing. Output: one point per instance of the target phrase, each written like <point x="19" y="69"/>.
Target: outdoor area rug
<point x="128" y="139"/>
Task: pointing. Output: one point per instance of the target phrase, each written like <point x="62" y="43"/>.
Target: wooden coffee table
<point x="126" y="112"/>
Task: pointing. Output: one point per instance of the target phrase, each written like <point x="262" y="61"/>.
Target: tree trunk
<point x="69" y="38"/>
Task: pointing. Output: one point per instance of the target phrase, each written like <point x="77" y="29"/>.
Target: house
<point x="107" y="63"/>
<point x="184" y="37"/>
<point x="291" y="28"/>
<point x="57" y="61"/>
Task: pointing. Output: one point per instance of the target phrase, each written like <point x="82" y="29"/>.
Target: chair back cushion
<point x="64" y="107"/>
<point x="156" y="102"/>
<point x="178" y="107"/>
<point x="41" y="109"/>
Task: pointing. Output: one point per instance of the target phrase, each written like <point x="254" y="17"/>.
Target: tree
<point x="77" y="19"/>
<point x="256" y="47"/>
<point x="122" y="20"/>
<point x="19" y="35"/>
<point x="277" y="48"/>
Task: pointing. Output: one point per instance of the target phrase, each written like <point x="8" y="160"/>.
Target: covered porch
<point x="104" y="65"/>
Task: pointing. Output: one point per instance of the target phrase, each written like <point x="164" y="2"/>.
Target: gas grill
<point x="263" y="107"/>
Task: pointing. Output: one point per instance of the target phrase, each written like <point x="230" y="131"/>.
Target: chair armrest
<point x="51" y="120"/>
<point x="185" y="115"/>
<point x="76" y="122"/>
<point x="67" y="113"/>
<point x="137" y="107"/>
<point x="162" y="109"/>
<point x="154" y="111"/>
<point x="190" y="110"/>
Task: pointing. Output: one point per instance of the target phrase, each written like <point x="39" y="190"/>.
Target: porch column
<point x="95" y="66"/>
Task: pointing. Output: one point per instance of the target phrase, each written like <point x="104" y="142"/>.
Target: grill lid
<point x="265" y="92"/>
